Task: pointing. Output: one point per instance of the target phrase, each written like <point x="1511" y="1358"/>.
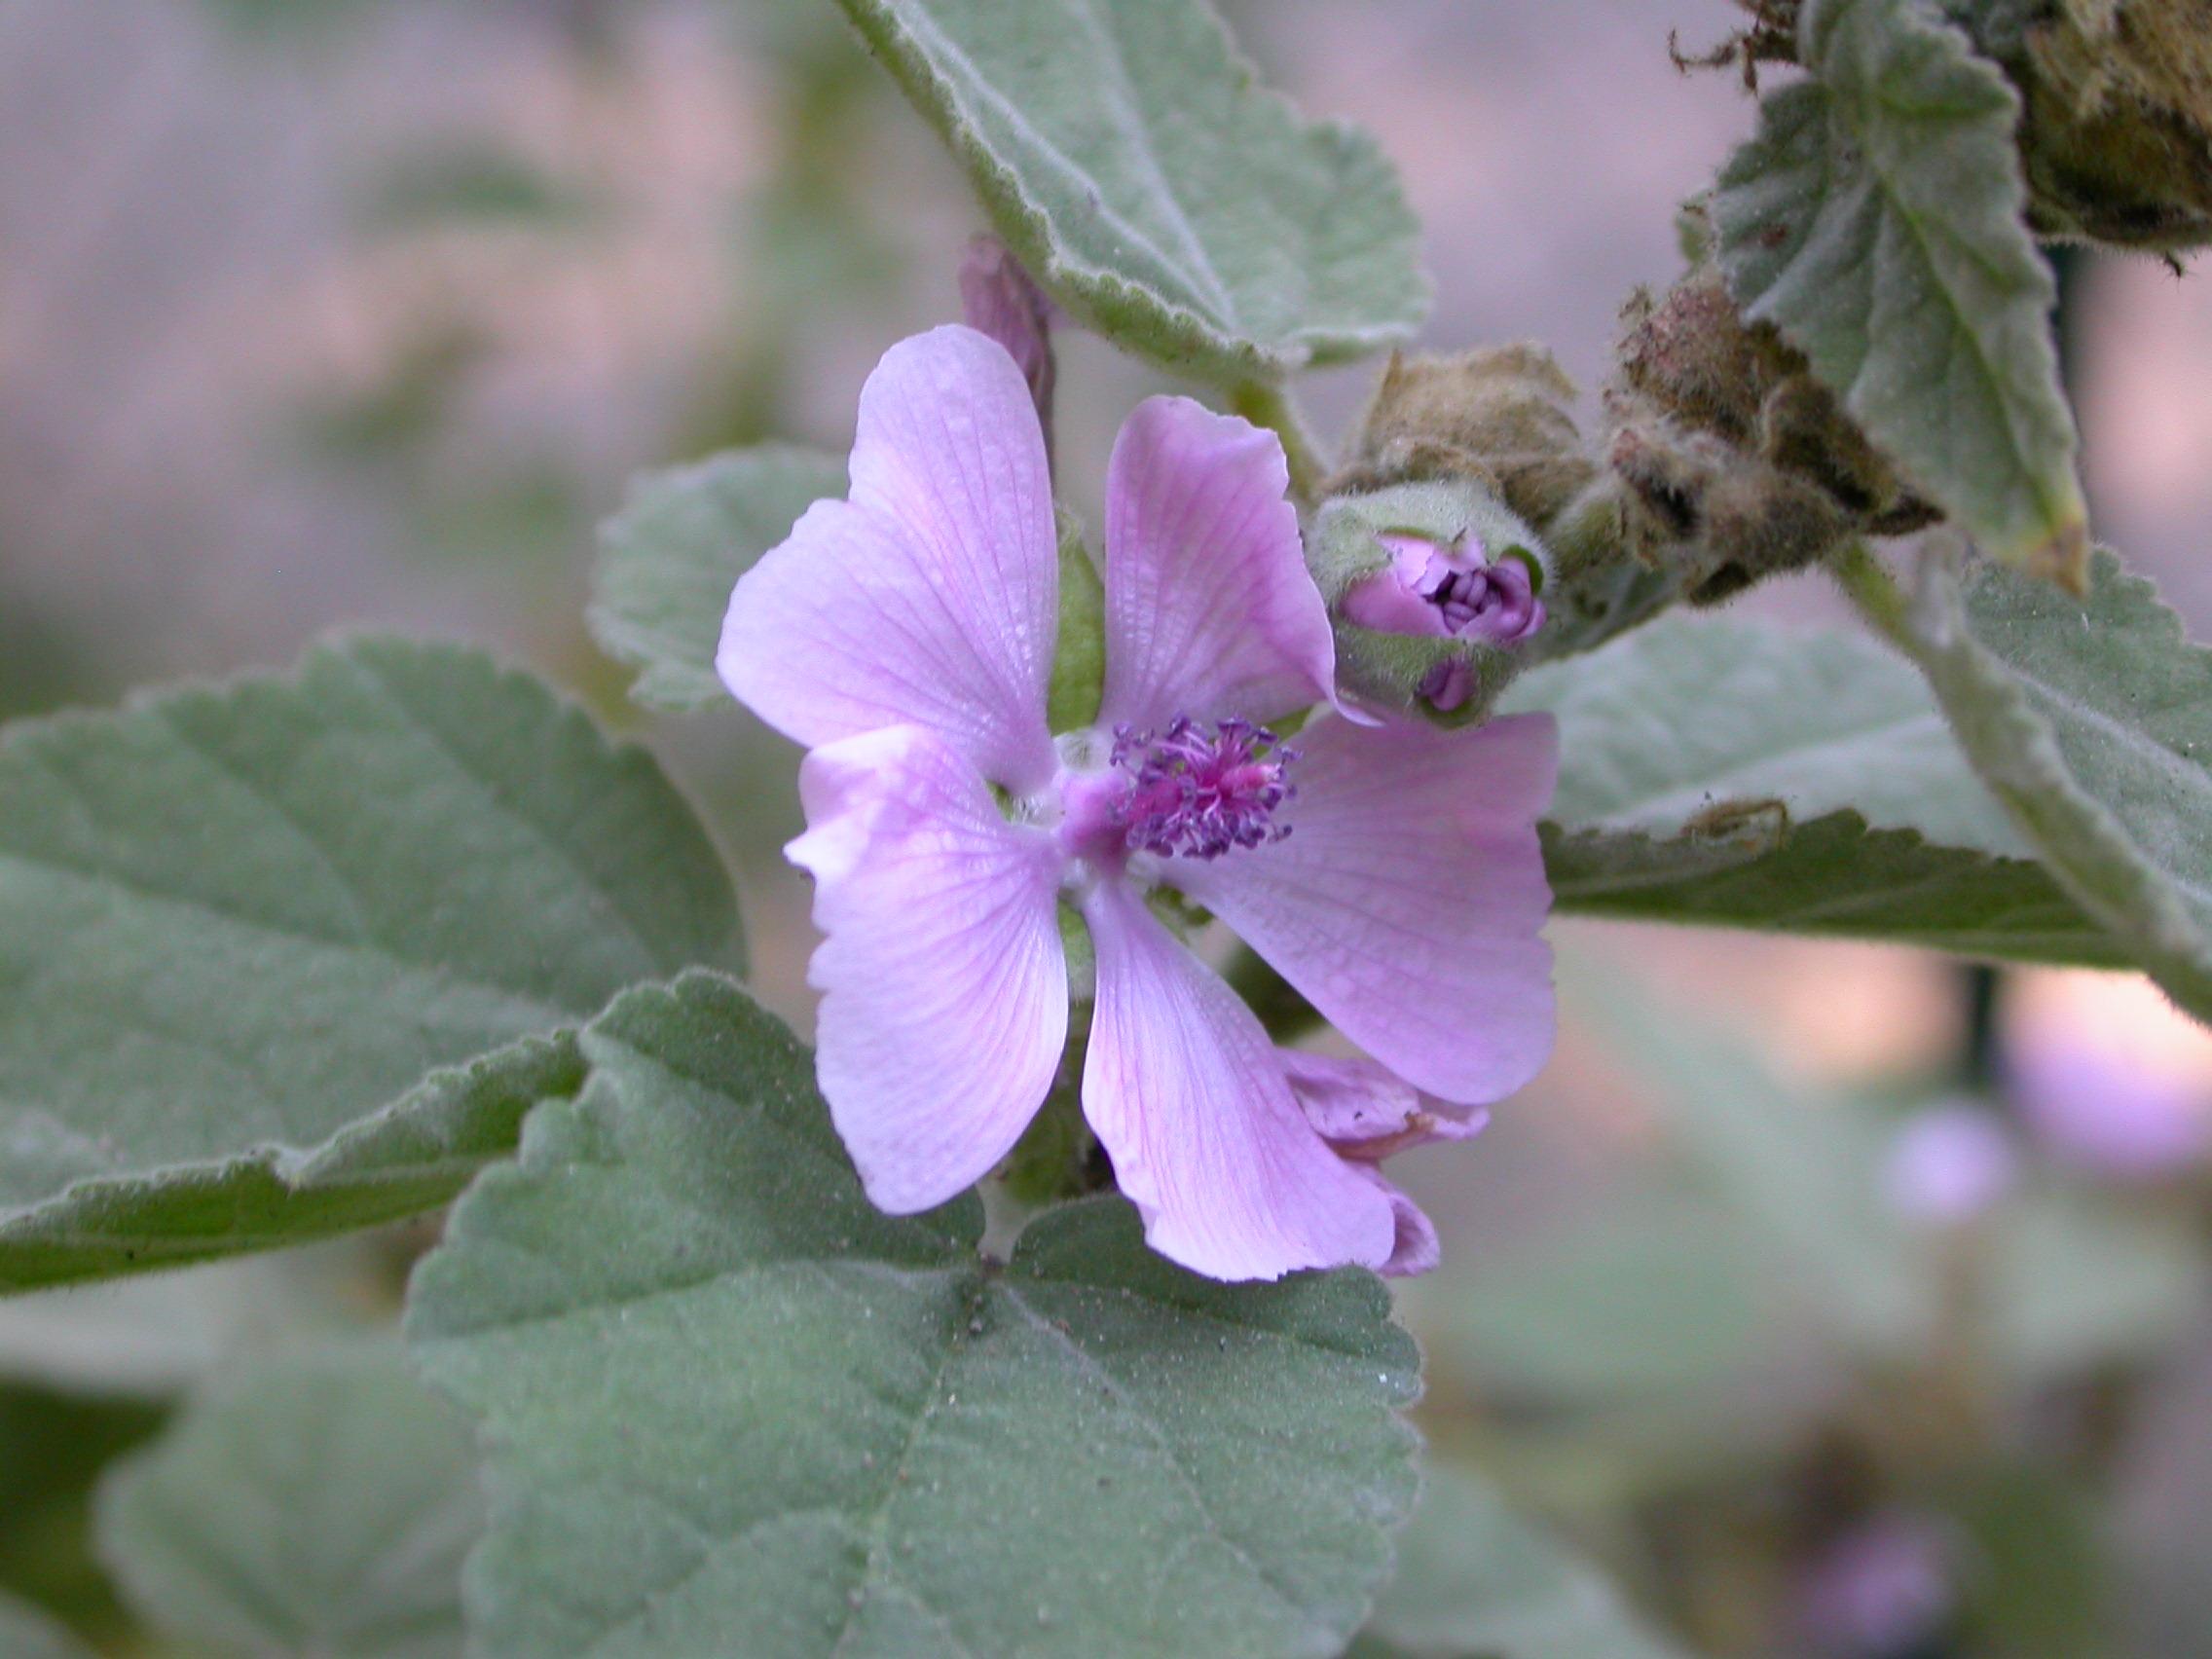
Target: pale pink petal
<point x="932" y="595"/>
<point x="1184" y="1089"/>
<point x="1408" y="902"/>
<point x="1367" y="1112"/>
<point x="1210" y="610"/>
<point x="1415" y="1247"/>
<point x="945" y="991"/>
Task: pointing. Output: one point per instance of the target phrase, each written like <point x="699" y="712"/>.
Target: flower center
<point x="1197" y="789"/>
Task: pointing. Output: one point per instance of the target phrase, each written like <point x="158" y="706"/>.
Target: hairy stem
<point x="1872" y="591"/>
<point x="1273" y="407"/>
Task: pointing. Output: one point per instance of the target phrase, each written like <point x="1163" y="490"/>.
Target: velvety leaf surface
<point x="27" y="1633"/>
<point x="242" y="928"/>
<point x="721" y="1392"/>
<point x="2092" y="720"/>
<point x="1877" y="220"/>
<point x="316" y="1501"/>
<point x="1473" y="1579"/>
<point x="1791" y="779"/>
<point x="1128" y="154"/>
<point x="668" y="559"/>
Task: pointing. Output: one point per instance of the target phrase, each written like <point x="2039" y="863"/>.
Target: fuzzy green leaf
<point x="670" y="557"/>
<point x="722" y="1393"/>
<point x="242" y="927"/>
<point x="1794" y="781"/>
<point x="1877" y="219"/>
<point x="318" y="1502"/>
<point x="1129" y="155"/>
<point x="2093" y="722"/>
<point x="1474" y="1580"/>
<point x="27" y="1633"/>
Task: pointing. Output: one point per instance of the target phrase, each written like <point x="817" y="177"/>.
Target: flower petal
<point x="1407" y="904"/>
<point x="999" y="298"/>
<point x="1415" y="1248"/>
<point x="1367" y="1112"/>
<point x="1184" y="1089"/>
<point x="945" y="988"/>
<point x="1210" y="608"/>
<point x="931" y="597"/>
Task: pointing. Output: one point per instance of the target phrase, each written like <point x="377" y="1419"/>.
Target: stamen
<point x="1199" y="791"/>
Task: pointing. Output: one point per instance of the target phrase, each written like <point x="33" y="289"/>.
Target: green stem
<point x="1282" y="1010"/>
<point x="1873" y="591"/>
<point x="1273" y="407"/>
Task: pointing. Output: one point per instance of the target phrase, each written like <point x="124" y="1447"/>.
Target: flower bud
<point x="2115" y="134"/>
<point x="1002" y="300"/>
<point x="1497" y="417"/>
<point x="1433" y="588"/>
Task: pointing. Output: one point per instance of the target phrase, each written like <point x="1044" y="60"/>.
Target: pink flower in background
<point x="1949" y="1165"/>
<point x="2109" y="1111"/>
<point x="1391" y="875"/>
<point x="1881" y="1591"/>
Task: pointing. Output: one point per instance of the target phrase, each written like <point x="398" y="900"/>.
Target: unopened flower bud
<point x="2116" y="133"/>
<point x="1002" y="300"/>
<point x="1433" y="587"/>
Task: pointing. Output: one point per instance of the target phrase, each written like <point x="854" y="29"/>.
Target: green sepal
<point x="1345" y="545"/>
<point x="1078" y="653"/>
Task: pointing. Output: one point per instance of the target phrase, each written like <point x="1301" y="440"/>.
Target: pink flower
<point x="1393" y="875"/>
<point x="1447" y="591"/>
<point x="2103" y="1110"/>
<point x="1366" y="1114"/>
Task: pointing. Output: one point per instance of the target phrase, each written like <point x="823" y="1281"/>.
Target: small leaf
<point x="668" y="559"/>
<point x="318" y="1502"/>
<point x="721" y="1392"/>
<point x="1793" y="781"/>
<point x="2093" y="722"/>
<point x="1129" y="157"/>
<point x="1473" y="1578"/>
<point x="241" y="927"/>
<point x="1877" y="219"/>
<point x="27" y="1633"/>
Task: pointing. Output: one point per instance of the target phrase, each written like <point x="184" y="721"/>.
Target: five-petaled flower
<point x="1391" y="874"/>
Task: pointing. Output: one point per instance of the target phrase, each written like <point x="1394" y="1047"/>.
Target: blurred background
<point x="1839" y="1301"/>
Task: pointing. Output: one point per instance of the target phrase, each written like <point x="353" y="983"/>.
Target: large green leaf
<point x="670" y="557"/>
<point x="2093" y="722"/>
<point x="1877" y="219"/>
<point x="1129" y="155"/>
<point x="1474" y="1580"/>
<point x="27" y="1633"/>
<point x="723" y="1393"/>
<point x="317" y="1501"/>
<point x="241" y="927"/>
<point x="1796" y="780"/>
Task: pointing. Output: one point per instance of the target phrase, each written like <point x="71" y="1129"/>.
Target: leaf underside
<point x="2092" y="720"/>
<point x="1801" y="781"/>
